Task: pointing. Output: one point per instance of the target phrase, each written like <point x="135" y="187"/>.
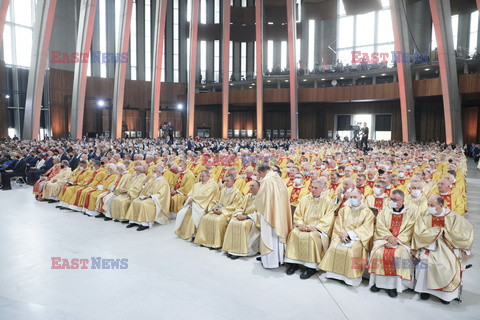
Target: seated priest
<point x="442" y="238"/>
<point x="243" y="232"/>
<point x="81" y="180"/>
<point x="391" y="264"/>
<point x="91" y="195"/>
<point x="213" y="225"/>
<point x="417" y="199"/>
<point x="121" y="203"/>
<point x="153" y="203"/>
<point x="120" y="186"/>
<point x="47" y="176"/>
<point x="309" y="239"/>
<point x="198" y="203"/>
<point x="351" y="236"/>
<point x="181" y="185"/>
<point x="297" y="191"/>
<point x="379" y="198"/>
<point x="52" y="188"/>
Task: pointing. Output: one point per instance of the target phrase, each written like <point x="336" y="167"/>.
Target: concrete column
<point x="193" y="68"/>
<point x="111" y="40"/>
<point x="442" y="24"/>
<point x="44" y="16"/>
<point x="121" y="69"/>
<point x="88" y="9"/>
<point x="259" y="61"/>
<point x="292" y="35"/>
<point x="3" y="16"/>
<point x="226" y="54"/>
<point x="463" y="31"/>
<point x="420" y="24"/>
<point x="141" y="14"/>
<point x="159" y="39"/>
<point x="407" y="102"/>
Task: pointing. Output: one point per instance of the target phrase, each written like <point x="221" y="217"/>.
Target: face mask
<point x="254" y="178"/>
<point x="306" y="173"/>
<point x="408" y="167"/>
<point x="387" y="167"/>
<point x="349" y="190"/>
<point x="322" y="167"/>
<point x="341" y="174"/>
<point x="354" y="202"/>
<point x="287" y="170"/>
<point x="432" y="210"/>
<point x="393" y="204"/>
<point x="416" y="193"/>
<point x="297" y="181"/>
<point x="377" y="191"/>
<point x="401" y="174"/>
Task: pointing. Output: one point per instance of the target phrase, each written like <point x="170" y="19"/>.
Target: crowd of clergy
<point x="393" y="215"/>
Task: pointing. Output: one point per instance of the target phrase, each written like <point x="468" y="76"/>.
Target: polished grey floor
<point x="168" y="278"/>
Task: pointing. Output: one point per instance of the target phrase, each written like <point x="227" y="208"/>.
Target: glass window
<point x="118" y="6"/>
<point x="365" y="29"/>
<point x="384" y="27"/>
<point x="230" y="60"/>
<point x="345" y="56"/>
<point x="103" y="35"/>
<point x="148" y="43"/>
<point x="283" y="55"/>
<point x="23" y="46"/>
<point x="216" y="61"/>
<point x="133" y="43"/>
<point x="311" y="44"/>
<point x="23" y="12"/>
<point x="243" y="60"/>
<point x="341" y="8"/>
<point x="455" y="30"/>
<point x="345" y="31"/>
<point x="216" y="15"/>
<point x="203" y="60"/>
<point x="472" y="47"/>
<point x="385" y="3"/>
<point x="176" y="41"/>
<point x="203" y="11"/>
<point x="7" y="44"/>
<point x="270" y="55"/>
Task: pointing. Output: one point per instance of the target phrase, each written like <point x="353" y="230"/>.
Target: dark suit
<point x="18" y="170"/>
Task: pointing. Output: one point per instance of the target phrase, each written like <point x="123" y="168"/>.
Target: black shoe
<point x="131" y="225"/>
<point x="229" y="255"/>
<point x="392" y="293"/>
<point x="234" y="257"/>
<point x="445" y="302"/>
<point x="424" y="296"/>
<point x="374" y="288"/>
<point x="293" y="267"/>
<point x="307" y="273"/>
<point x="116" y="220"/>
<point x="58" y="207"/>
<point x="126" y="221"/>
<point x="259" y="258"/>
<point x="211" y="248"/>
<point x="141" y="228"/>
<point x="100" y="215"/>
<point x="52" y="201"/>
<point x="107" y="219"/>
<point x="6" y="189"/>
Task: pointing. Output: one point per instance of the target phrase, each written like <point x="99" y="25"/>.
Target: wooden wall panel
<point x="470" y="120"/>
<point x="209" y="117"/>
<point x="429" y="120"/>
<point x="137" y="96"/>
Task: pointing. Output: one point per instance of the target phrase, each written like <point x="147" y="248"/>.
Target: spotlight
<point x="7" y="96"/>
<point x="383" y="74"/>
<point x="100" y="103"/>
<point x="180" y="106"/>
<point x="363" y="76"/>
<point x="426" y="69"/>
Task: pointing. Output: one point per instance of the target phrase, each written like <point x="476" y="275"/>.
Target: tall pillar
<point x="45" y="13"/>
<point x="407" y="102"/>
<point x="442" y="24"/>
<point x="193" y="69"/>
<point x="292" y="34"/>
<point x="3" y="17"/>
<point x="160" y="18"/>
<point x="121" y="69"/>
<point x="86" y="21"/>
<point x="225" y="72"/>
<point x="259" y="61"/>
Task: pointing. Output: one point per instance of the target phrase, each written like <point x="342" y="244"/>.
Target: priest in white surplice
<point x="272" y="203"/>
